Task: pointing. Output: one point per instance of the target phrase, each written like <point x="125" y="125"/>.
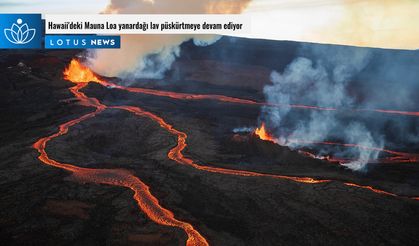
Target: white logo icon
<point x="20" y="33"/>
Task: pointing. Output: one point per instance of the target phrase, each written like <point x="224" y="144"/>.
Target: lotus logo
<point x="20" y="33"/>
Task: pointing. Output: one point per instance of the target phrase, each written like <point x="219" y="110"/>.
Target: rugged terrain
<point x="43" y="205"/>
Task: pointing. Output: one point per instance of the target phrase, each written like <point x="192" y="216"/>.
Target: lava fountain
<point x="76" y="72"/>
<point x="263" y="134"/>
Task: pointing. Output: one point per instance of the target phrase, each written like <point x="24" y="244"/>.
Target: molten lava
<point x="396" y="156"/>
<point x="263" y="134"/>
<point x="76" y="72"/>
<point x="176" y="152"/>
<point x="373" y="189"/>
<point x="117" y="177"/>
<point x="177" y="155"/>
<point x="81" y="75"/>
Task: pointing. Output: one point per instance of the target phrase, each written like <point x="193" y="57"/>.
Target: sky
<point x="53" y="6"/>
<point x="372" y="23"/>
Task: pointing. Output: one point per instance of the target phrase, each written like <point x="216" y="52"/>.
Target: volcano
<point x="185" y="160"/>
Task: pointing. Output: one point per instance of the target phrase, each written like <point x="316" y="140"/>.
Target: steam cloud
<point x="329" y="76"/>
<point x="149" y="56"/>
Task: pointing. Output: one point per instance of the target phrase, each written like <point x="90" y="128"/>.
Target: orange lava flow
<point x="80" y="73"/>
<point x="222" y="98"/>
<point x="177" y="155"/>
<point x="117" y="177"/>
<point x="398" y="157"/>
<point x="72" y="72"/>
<point x="176" y="152"/>
<point x="409" y="113"/>
<point x="263" y="134"/>
<point x="123" y="178"/>
<point x="373" y="189"/>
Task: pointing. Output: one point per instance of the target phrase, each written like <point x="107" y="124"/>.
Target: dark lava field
<point x="45" y="205"/>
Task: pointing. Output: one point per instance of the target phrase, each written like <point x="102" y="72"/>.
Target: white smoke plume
<point x="149" y="56"/>
<point x="243" y="129"/>
<point x="321" y="81"/>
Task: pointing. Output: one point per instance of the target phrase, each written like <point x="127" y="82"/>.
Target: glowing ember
<point x="76" y="72"/>
<point x="263" y="134"/>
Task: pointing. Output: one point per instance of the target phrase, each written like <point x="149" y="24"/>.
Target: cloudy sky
<point x="52" y="6"/>
<point x="376" y="23"/>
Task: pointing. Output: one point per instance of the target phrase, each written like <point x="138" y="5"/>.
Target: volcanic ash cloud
<point x="149" y="56"/>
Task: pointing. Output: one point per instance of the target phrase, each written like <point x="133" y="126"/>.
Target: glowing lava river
<point x="149" y="204"/>
<point x="117" y="177"/>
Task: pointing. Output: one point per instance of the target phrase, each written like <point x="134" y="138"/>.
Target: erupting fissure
<point x="81" y="75"/>
<point x="396" y="156"/>
<point x="263" y="134"/>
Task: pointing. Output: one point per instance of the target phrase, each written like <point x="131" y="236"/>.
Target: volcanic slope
<point x="217" y="205"/>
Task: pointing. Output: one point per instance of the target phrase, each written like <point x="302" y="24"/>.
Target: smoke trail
<point x="150" y="56"/>
<point x="243" y="129"/>
<point x="324" y="80"/>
